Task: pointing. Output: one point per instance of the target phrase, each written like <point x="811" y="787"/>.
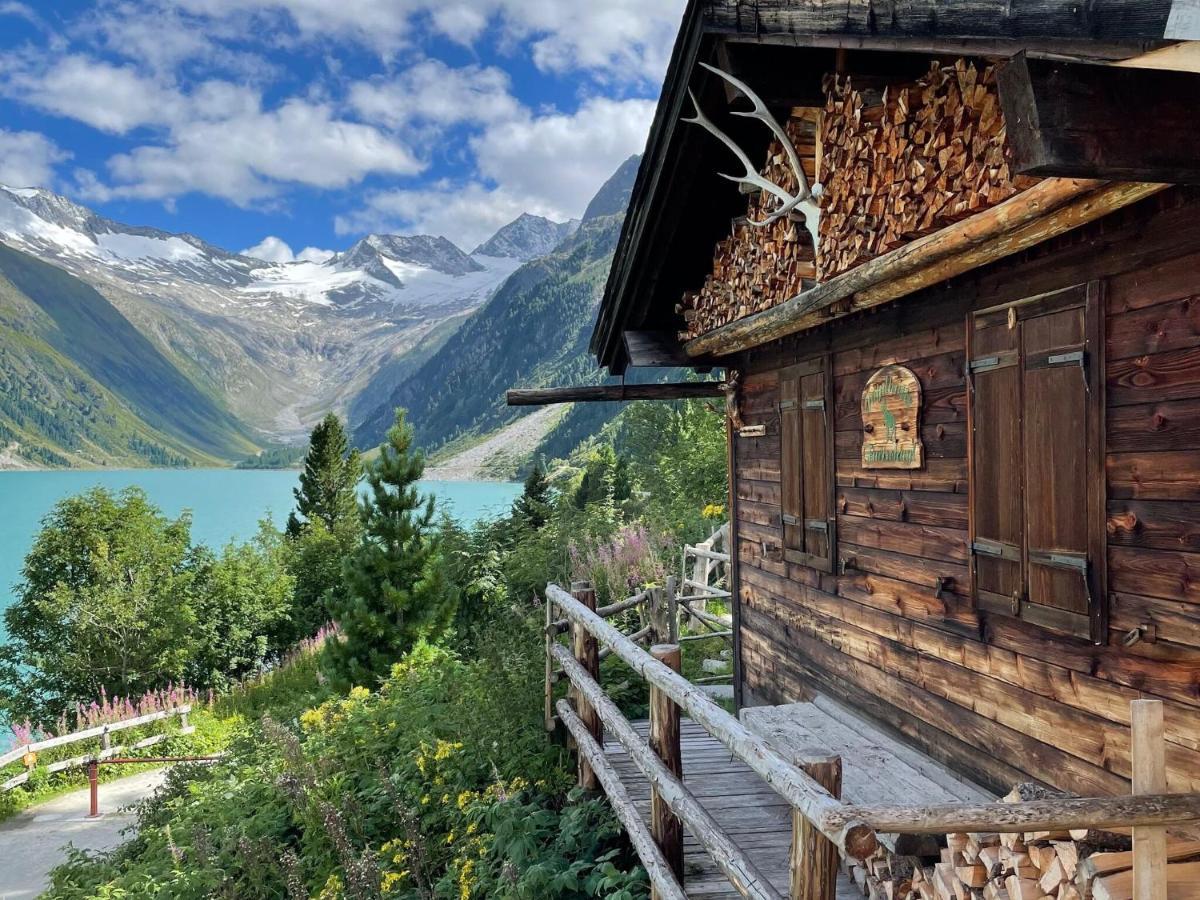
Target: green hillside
<point x="79" y="385"/>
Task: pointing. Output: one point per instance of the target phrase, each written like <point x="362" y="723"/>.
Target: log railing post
<point x="814" y="857"/>
<point x="672" y="610"/>
<point x="1149" y="777"/>
<point x="549" y="705"/>
<point x="665" y="742"/>
<point x="587" y="653"/>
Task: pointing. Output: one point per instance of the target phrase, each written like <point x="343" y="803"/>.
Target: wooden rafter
<point x="594" y="393"/>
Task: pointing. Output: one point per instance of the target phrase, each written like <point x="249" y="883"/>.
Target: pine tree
<point x="329" y="482"/>
<point x="532" y="508"/>
<point x="396" y="592"/>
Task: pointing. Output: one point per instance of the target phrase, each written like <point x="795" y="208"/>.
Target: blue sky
<point x="292" y="124"/>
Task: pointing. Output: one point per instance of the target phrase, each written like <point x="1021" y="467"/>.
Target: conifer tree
<point x="329" y="482"/>
<point x="396" y="592"/>
<point x="532" y="508"/>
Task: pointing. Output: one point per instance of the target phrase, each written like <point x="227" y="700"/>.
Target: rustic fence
<point x="823" y="826"/>
<point x="28" y="752"/>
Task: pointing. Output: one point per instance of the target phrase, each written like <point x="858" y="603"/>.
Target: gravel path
<point x="32" y="842"/>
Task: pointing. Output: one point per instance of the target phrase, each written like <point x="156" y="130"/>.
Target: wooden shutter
<point x="997" y="539"/>
<point x="805" y="408"/>
<point x="1037" y="460"/>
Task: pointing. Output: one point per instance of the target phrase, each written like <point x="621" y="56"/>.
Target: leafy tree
<point x="243" y="601"/>
<point x="315" y="560"/>
<point x="395" y="588"/>
<point x="605" y="478"/>
<point x="329" y="481"/>
<point x="105" y="603"/>
<point x="532" y="508"/>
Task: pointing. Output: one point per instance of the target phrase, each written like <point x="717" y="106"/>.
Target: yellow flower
<point x="359" y="693"/>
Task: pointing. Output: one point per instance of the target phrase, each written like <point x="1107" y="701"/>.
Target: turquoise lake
<point x="226" y="504"/>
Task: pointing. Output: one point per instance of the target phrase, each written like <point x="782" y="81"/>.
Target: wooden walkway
<point x="756" y="817"/>
<point x="876" y="768"/>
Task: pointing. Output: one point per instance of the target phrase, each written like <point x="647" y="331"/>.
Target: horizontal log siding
<point x="999" y="699"/>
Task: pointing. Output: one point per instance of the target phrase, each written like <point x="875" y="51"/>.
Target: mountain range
<point x="128" y="345"/>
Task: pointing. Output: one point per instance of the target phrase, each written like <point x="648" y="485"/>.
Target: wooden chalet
<point x="959" y="318"/>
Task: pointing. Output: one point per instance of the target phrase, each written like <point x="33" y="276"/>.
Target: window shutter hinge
<point x="1074" y="358"/>
<point x="816" y="525"/>
<point x="814" y="404"/>
<point x="790" y="519"/>
<point x="786" y="405"/>
<point x="983" y="364"/>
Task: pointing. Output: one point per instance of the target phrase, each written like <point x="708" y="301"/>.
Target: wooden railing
<point x="102" y="732"/>
<point x="822" y="823"/>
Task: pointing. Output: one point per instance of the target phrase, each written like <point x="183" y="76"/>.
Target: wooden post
<point x="1149" y="777"/>
<point x="664" y="741"/>
<point x="672" y="610"/>
<point x="93" y="771"/>
<point x="549" y="707"/>
<point x="587" y="653"/>
<point x="814" y="856"/>
<point x="105" y="740"/>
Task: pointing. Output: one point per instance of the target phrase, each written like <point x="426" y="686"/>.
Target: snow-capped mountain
<point x="527" y="237"/>
<point x="281" y="342"/>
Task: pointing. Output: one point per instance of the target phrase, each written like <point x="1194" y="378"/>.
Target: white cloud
<point x="549" y="165"/>
<point x="271" y="249"/>
<point x="110" y="98"/>
<point x="435" y="93"/>
<point x="559" y="160"/>
<point x="27" y="159"/>
<point x="630" y="40"/>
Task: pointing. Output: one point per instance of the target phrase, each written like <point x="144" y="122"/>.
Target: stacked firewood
<point x="1067" y="865"/>
<point x="757" y="267"/>
<point x="909" y="160"/>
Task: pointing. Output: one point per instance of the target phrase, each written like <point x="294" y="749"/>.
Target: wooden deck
<point x="875" y="769"/>
<point x="756" y="817"/>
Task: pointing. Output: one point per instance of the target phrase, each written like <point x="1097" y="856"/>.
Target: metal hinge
<point x="786" y="404"/>
<point x="816" y="525"/>
<point x="790" y="520"/>
<point x="996" y="549"/>
<point x="1074" y="358"/>
<point x="814" y="404"/>
<point x="983" y="363"/>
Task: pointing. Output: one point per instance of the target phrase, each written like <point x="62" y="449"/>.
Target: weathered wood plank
<point x="918" y="507"/>
<point x="1081" y="120"/>
<point x="1157" y="524"/>
<point x="1148" y="427"/>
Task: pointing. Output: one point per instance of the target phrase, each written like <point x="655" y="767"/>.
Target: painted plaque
<point x="891" y="416"/>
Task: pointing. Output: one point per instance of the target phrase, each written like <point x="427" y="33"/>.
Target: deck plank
<point x="756" y="818"/>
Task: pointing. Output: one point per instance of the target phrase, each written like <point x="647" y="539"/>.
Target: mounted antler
<point x="804" y="200"/>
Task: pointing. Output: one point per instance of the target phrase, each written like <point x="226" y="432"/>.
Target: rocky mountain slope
<point x="279" y="344"/>
<point x="79" y="385"/>
<point x="533" y="332"/>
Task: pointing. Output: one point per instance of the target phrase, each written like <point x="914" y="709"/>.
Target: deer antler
<point x="804" y="199"/>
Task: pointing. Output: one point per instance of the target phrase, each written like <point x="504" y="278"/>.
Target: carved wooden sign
<point x="891" y="417"/>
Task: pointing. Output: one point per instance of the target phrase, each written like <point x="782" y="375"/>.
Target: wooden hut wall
<point x="1001" y="699"/>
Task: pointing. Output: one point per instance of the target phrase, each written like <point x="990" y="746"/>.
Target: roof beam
<point x="592" y="393"/>
<point x="1078" y="120"/>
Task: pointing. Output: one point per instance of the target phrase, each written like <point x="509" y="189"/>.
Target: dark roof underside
<point x="680" y="207"/>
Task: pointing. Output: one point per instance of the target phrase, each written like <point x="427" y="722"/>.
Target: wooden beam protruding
<point x="1081" y="120"/>
<point x="618" y="392"/>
